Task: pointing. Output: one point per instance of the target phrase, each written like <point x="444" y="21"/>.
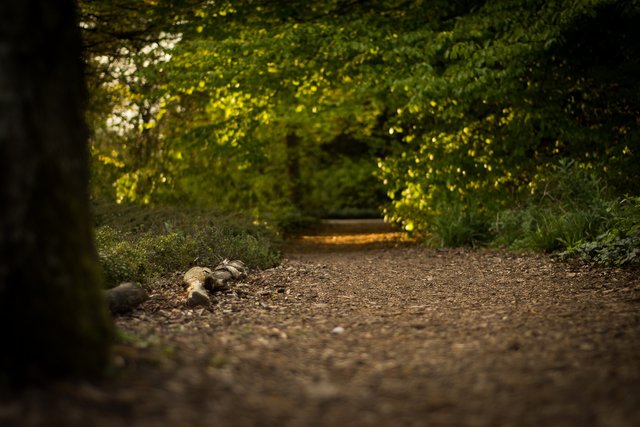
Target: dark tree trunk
<point x="293" y="168"/>
<point x="53" y="319"/>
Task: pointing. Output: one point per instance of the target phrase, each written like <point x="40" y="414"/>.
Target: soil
<point x="360" y="327"/>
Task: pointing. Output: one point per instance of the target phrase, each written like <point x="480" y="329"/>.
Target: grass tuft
<point x="140" y="243"/>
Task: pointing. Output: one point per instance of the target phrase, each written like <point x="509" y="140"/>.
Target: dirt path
<point x="367" y="330"/>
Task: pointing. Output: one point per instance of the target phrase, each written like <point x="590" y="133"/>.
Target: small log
<point x="125" y="297"/>
<point x="197" y="295"/>
<point x="201" y="281"/>
<point x="236" y="268"/>
<point x="220" y="279"/>
<point x="198" y="280"/>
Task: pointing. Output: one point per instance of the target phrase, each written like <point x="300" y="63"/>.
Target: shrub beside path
<point x="359" y="327"/>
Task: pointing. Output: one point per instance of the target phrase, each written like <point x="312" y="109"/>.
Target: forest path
<point x="360" y="328"/>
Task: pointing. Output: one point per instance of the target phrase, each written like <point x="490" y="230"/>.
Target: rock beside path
<point x="125" y="297"/>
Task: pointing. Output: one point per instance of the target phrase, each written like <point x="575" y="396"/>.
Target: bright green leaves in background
<point x="446" y="114"/>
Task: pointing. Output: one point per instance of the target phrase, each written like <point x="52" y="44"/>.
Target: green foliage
<point x="455" y="228"/>
<point x="568" y="205"/>
<point x="607" y="249"/>
<point x="292" y="221"/>
<point x="140" y="244"/>
<point x="345" y="185"/>
<point x="142" y="258"/>
<point x="517" y="89"/>
<point x="462" y="109"/>
<point x="546" y="229"/>
<point x="619" y="244"/>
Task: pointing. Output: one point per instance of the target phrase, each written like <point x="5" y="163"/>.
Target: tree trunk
<point x="293" y="168"/>
<point x="53" y="318"/>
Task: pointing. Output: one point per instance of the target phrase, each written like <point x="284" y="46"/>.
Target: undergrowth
<point x="571" y="206"/>
<point x="455" y="228"/>
<point x="571" y="214"/>
<point x="139" y="243"/>
<point x="619" y="244"/>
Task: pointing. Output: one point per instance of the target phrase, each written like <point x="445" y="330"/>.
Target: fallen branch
<point x="201" y="281"/>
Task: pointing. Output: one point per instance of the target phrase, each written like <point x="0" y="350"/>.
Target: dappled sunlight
<point x="354" y="234"/>
<point x="356" y="239"/>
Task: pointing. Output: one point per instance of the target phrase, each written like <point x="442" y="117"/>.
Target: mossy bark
<point x="53" y="319"/>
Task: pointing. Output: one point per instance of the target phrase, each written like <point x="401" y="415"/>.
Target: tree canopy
<point x="420" y="108"/>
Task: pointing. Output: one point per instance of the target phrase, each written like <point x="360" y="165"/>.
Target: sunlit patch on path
<point x="356" y="239"/>
<point x="349" y="234"/>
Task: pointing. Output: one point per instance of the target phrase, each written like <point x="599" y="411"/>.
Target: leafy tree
<point x="52" y="315"/>
<point x="464" y="106"/>
<point x="520" y="86"/>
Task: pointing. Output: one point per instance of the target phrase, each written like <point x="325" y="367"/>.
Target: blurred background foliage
<point x="512" y="123"/>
